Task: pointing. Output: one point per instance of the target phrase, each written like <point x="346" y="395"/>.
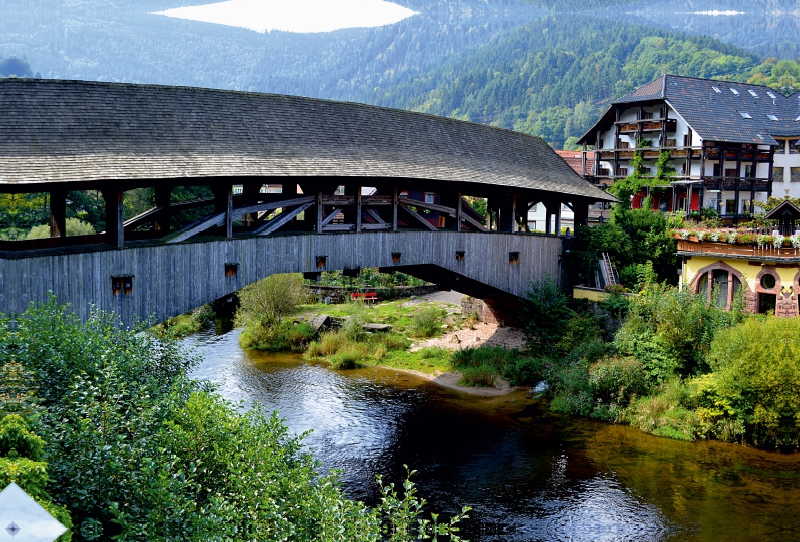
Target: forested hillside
<point x="546" y="67"/>
<point x="553" y="76"/>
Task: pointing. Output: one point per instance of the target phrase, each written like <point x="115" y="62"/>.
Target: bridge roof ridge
<point x="71" y="131"/>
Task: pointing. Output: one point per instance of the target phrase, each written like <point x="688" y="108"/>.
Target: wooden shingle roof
<point x="66" y="131"/>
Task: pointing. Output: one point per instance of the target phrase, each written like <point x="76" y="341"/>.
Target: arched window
<point x="719" y="283"/>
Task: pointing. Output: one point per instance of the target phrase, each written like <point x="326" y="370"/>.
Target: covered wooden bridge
<point x="296" y="184"/>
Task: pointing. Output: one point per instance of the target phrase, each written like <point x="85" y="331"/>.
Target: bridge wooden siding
<point x="169" y="280"/>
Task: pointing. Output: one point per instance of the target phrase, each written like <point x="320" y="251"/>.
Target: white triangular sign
<point x="24" y="520"/>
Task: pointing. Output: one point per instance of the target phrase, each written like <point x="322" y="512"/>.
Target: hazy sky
<point x="295" y="15"/>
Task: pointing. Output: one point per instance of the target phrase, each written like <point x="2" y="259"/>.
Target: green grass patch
<point x="276" y="338"/>
<point x="187" y="324"/>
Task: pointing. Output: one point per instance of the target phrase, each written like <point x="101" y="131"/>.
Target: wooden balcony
<point x="693" y="247"/>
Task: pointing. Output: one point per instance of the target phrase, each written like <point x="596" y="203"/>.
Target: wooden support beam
<point x="208" y="221"/>
<point x="432" y="206"/>
<point x="358" y="208"/>
<point x="318" y="227"/>
<point x="477" y="225"/>
<point x="339" y="227"/>
<point x="419" y="218"/>
<point x="115" y="216"/>
<point x="148" y="216"/>
<point x="330" y="217"/>
<point x="272" y="205"/>
<point x="340" y="200"/>
<point x="377" y="200"/>
<point x="161" y="221"/>
<point x="191" y="204"/>
<point x="374" y="214"/>
<point x="394" y="208"/>
<point x="281" y="219"/>
<point x="369" y="227"/>
<point x="58" y="213"/>
<point x="459" y="211"/>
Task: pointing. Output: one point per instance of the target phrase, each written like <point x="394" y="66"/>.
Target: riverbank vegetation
<point x="136" y="450"/>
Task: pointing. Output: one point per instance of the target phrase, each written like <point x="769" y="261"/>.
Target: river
<point x="529" y="474"/>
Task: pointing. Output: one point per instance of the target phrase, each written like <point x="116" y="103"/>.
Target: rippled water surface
<point x="528" y="474"/>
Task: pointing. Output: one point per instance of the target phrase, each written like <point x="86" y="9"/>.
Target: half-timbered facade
<point x="731" y="144"/>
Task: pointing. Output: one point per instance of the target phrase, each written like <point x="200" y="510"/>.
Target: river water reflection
<point x="528" y="474"/>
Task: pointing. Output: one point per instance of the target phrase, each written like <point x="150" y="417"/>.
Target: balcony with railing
<point x="762" y="244"/>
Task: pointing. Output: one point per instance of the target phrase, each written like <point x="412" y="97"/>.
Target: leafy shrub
<point x="616" y="381"/>
<point x="425" y="322"/>
<point x="276" y="338"/>
<point x="269" y="300"/>
<point x="141" y="452"/>
<point x="524" y="371"/>
<point x="664" y="414"/>
<point x="754" y="389"/>
<point x="545" y="312"/>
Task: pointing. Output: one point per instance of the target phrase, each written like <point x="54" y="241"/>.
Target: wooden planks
<point x="171" y="279"/>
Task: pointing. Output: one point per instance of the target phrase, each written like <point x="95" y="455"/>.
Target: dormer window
<point x="772" y="117"/>
<point x="753" y="93"/>
<point x="735" y="92"/>
<point x="745" y="115"/>
<point x="717" y="90"/>
<point x="771" y="95"/>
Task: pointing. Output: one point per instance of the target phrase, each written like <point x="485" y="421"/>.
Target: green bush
<point x="665" y="413"/>
<point x="524" y="371"/>
<point x="753" y="391"/>
<point x="276" y="338"/>
<point x="614" y="382"/>
<point x="141" y="452"/>
<point x="545" y="314"/>
<point x="426" y="322"/>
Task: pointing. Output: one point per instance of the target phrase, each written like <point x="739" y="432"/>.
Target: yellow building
<point x="765" y="264"/>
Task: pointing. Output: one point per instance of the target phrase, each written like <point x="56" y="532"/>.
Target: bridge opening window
<point x="396" y="256"/>
<point x="231" y="269"/>
<point x="460" y="255"/>
<point x="430" y="197"/>
<point x="322" y="261"/>
<point x="513" y="258"/>
<point x="122" y="285"/>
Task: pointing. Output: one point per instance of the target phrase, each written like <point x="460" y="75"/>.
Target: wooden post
<point x="58" y="213"/>
<point x="115" y="216"/>
<point x="319" y="210"/>
<point x="358" y="208"/>
<point x="163" y="193"/>
<point x="738" y="181"/>
<point x="769" y="172"/>
<point x="223" y="203"/>
<point x="583" y="159"/>
<point x="755" y="176"/>
<point x="394" y="209"/>
<point x="459" y="211"/>
<point x="559" y="206"/>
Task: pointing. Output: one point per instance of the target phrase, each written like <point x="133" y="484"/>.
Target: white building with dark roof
<point x="731" y="144"/>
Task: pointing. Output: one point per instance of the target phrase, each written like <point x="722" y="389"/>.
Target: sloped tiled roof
<point x="62" y="131"/>
<point x="573" y="159"/>
<point x="716" y="115"/>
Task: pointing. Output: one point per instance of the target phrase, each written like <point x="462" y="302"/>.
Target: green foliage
<point x="781" y="75"/>
<point x="141" y="452"/>
<point x="368" y="277"/>
<point x="665" y="413"/>
<point x="426" y="322"/>
<point x="614" y="383"/>
<point x="267" y="301"/>
<point x="545" y="313"/>
<point x="75" y="226"/>
<point x="279" y="337"/>
<point x="754" y="387"/>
